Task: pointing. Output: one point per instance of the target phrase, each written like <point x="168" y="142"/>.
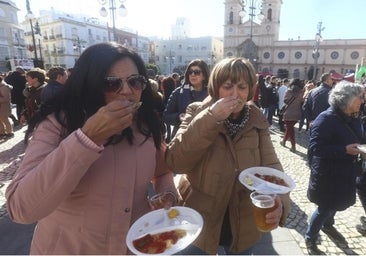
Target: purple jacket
<point x="84" y="197"/>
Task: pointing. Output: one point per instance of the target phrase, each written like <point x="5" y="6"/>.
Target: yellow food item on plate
<point x="173" y="213"/>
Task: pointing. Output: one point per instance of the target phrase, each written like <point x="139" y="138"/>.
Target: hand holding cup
<point x="162" y="200"/>
<point x="263" y="204"/>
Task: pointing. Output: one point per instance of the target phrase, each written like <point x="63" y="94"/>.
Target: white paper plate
<point x="248" y="179"/>
<point x="157" y="221"/>
<point x="362" y="148"/>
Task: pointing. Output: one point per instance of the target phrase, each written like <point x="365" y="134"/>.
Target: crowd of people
<point x="100" y="137"/>
<point x="27" y="90"/>
<point x="334" y="113"/>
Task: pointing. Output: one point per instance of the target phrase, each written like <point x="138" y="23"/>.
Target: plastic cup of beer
<point x="262" y="204"/>
<point x="162" y="200"/>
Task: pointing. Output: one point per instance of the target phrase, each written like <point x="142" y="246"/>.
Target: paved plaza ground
<point x="288" y="240"/>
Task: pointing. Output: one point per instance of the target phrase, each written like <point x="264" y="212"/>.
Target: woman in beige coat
<point x="293" y="99"/>
<point x="6" y="129"/>
<point x="219" y="137"/>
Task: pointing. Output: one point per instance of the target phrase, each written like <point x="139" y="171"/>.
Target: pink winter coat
<point x="84" y="197"/>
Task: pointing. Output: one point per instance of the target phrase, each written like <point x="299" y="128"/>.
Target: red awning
<point x="336" y="76"/>
<point x="350" y="77"/>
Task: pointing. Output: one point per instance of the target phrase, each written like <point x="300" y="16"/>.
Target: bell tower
<point x="249" y="25"/>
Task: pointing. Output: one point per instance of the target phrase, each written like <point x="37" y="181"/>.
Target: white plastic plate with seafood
<point x="362" y="148"/>
<point x="159" y="221"/>
<point x="266" y="180"/>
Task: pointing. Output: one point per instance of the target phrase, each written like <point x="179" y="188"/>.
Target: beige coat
<point x="212" y="162"/>
<point x="5" y="100"/>
<point x="293" y="111"/>
<point x="84" y="197"/>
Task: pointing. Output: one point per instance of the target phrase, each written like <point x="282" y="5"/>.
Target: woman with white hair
<point x="334" y="138"/>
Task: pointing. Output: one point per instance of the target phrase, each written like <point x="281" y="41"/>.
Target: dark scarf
<point x="233" y="126"/>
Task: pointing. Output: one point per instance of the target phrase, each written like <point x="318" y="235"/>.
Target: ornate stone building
<point x="12" y="42"/>
<point x="258" y="40"/>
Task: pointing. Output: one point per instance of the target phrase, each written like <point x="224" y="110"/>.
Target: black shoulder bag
<point x="285" y="106"/>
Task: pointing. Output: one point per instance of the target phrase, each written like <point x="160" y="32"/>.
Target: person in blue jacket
<point x="56" y="83"/>
<point x="361" y="181"/>
<point x="194" y="89"/>
<point x="317" y="100"/>
<point x="334" y="139"/>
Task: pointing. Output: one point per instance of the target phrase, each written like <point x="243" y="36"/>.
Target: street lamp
<point x="212" y="59"/>
<point x="318" y="39"/>
<point x="171" y="59"/>
<point x="39" y="36"/>
<point x="79" y="44"/>
<point x="122" y="11"/>
<point x="252" y="5"/>
<point x="29" y="16"/>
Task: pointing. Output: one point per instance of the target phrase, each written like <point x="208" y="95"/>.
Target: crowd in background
<point x="27" y="90"/>
<point x="333" y="110"/>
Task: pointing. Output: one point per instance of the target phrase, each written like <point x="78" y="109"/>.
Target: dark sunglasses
<point x="115" y="84"/>
<point x="196" y="72"/>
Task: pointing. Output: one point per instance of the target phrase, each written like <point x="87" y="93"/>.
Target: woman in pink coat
<point x="94" y="151"/>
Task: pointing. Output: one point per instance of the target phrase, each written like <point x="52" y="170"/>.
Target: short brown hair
<point x="233" y="69"/>
<point x="37" y="73"/>
<point x="55" y="71"/>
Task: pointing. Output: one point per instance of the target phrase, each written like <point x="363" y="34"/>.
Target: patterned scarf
<point x="233" y="126"/>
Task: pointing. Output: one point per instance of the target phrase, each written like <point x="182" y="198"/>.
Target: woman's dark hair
<point x="296" y="85"/>
<point x="203" y="66"/>
<point x="84" y="95"/>
<point x="168" y="85"/>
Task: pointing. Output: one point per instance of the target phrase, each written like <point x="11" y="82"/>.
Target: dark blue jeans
<point x="321" y="217"/>
<point x="269" y="113"/>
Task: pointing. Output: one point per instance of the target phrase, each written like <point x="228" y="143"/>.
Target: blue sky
<point x="341" y="19"/>
<point x="299" y="18"/>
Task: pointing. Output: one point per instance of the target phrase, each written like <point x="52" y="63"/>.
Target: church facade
<point x="258" y="40"/>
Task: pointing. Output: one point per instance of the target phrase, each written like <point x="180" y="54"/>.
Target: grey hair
<point x="343" y="93"/>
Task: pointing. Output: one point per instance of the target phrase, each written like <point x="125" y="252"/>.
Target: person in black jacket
<point x="272" y="99"/>
<point x="334" y="139"/>
<point x="17" y="80"/>
<point x="361" y="181"/>
<point x="317" y="102"/>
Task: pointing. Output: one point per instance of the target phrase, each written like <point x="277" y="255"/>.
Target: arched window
<point x="269" y="14"/>
<point x="231" y="18"/>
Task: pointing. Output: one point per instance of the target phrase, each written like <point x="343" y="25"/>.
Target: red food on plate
<point x="272" y="178"/>
<point x="158" y="243"/>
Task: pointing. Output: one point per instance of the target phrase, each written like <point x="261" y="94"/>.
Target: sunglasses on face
<point x="196" y="72"/>
<point x="115" y="84"/>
